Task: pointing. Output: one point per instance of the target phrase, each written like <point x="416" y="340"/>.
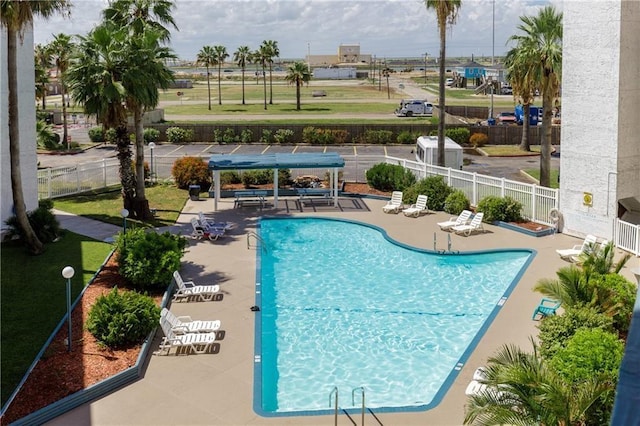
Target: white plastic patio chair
<point x="474" y="226"/>
<point x="576" y="250"/>
<point x="196" y="342"/>
<point x="189" y="290"/>
<point x="184" y="324"/>
<point x="462" y="219"/>
<point x="394" y="205"/>
<point x="418" y="208"/>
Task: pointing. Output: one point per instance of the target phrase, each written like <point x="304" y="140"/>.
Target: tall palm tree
<point x="207" y="57"/>
<point x="42" y="60"/>
<point x="220" y="56"/>
<point x="542" y="40"/>
<point x="298" y="74"/>
<point x="61" y="47"/>
<point x="15" y="16"/>
<point x="524" y="83"/>
<point x="242" y="57"/>
<point x="139" y="17"/>
<point x="446" y="14"/>
<point x="261" y="56"/>
<point x="272" y="51"/>
<point x="522" y="389"/>
<point x="95" y="80"/>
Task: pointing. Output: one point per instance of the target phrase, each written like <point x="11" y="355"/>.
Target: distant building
<point x="348" y="54"/>
<point x="335" y="73"/>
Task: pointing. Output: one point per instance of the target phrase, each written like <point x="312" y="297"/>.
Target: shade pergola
<point x="276" y="161"/>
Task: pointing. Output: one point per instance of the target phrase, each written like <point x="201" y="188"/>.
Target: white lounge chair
<point x="197" y="342"/>
<point x="577" y="249"/>
<point x="418" y="208"/>
<point x="184" y="324"/>
<point x="462" y="219"/>
<point x="188" y="290"/>
<point x="210" y="224"/>
<point x="199" y="232"/>
<point x="579" y="258"/>
<point x="473" y="226"/>
<point x="394" y="205"/>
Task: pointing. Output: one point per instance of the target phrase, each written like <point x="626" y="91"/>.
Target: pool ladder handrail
<point x="353" y="399"/>
<point x="443" y="251"/>
<point x="335" y="414"/>
<point x="258" y="238"/>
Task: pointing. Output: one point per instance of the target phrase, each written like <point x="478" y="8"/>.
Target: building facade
<point x="27" y="121"/>
<point x="600" y="142"/>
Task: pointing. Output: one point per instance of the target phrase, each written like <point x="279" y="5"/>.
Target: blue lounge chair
<point x="546" y="308"/>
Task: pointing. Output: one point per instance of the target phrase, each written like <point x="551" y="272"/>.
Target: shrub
<point x="283" y="136"/>
<point x="147" y="169"/>
<point x="267" y="136"/>
<point x="217" y="135"/>
<point x="150" y="135"/>
<point x="46" y="137"/>
<point x="179" y="135"/>
<point x="389" y="177"/>
<point x="459" y="135"/>
<point x="377" y="137"/>
<point x="96" y="134"/>
<point x="284" y="177"/>
<point x="246" y="136"/>
<point x="148" y="259"/>
<point x="478" y="140"/>
<point x="589" y="353"/>
<point x="42" y="220"/>
<point x="257" y="177"/>
<point x="110" y="135"/>
<point x="229" y="177"/>
<point x="229" y="136"/>
<point x="315" y="136"/>
<point x="407" y="138"/>
<point x="310" y="135"/>
<point x="620" y="293"/>
<point x="556" y="330"/>
<point x="504" y="209"/>
<point x="122" y="318"/>
<point x="191" y="171"/>
<point x="456" y="202"/>
<point x="433" y="187"/>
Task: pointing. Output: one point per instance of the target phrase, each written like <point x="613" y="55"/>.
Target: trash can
<point x="491" y="122"/>
<point x="194" y="192"/>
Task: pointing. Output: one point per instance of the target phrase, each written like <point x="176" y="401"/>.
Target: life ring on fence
<point x="555" y="215"/>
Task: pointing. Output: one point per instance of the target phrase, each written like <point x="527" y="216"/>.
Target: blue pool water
<point x="342" y="305"/>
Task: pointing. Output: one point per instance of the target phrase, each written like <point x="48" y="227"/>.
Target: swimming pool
<point x="344" y="306"/>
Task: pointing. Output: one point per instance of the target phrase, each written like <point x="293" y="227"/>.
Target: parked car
<point x="506" y="118"/>
<point x="507" y="90"/>
<point x="449" y="82"/>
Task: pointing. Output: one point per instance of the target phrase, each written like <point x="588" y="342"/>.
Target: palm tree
<point x="523" y="389"/>
<point x="61" y="47"/>
<point x="261" y="56"/>
<point x="220" y="55"/>
<point x="446" y="13"/>
<point x="298" y="74"/>
<point x="95" y="77"/>
<point x="271" y="51"/>
<point x="599" y="259"/>
<point x="15" y="16"/>
<point x="139" y="15"/>
<point x="542" y="42"/>
<point x="206" y="56"/>
<point x="524" y="83"/>
<point x="42" y="60"/>
<point x="242" y="57"/>
<point x="145" y="21"/>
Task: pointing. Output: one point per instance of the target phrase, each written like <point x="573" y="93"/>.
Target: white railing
<point x="537" y="201"/>
<point x="68" y="180"/>
<point x="627" y="236"/>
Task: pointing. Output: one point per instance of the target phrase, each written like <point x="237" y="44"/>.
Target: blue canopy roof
<point x="274" y="161"/>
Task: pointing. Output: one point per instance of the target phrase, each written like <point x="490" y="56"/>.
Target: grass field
<point x="34" y="297"/>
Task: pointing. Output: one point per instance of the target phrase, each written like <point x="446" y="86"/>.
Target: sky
<point x="385" y="28"/>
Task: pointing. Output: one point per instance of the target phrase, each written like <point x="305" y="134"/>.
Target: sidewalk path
<point x="91" y="228"/>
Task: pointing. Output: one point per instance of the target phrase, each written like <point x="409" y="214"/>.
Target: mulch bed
<point x="60" y="373"/>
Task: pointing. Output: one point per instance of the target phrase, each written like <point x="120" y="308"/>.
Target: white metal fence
<point x="627" y="236"/>
<point x="537" y="201"/>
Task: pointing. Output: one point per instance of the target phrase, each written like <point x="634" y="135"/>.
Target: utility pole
<point x="493" y="46"/>
<point x="426" y="55"/>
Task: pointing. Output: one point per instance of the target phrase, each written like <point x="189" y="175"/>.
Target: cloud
<point x="386" y="28"/>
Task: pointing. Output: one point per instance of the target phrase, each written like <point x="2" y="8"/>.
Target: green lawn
<point x="105" y="204"/>
<point x="508" y="150"/>
<point x="555" y="174"/>
<point x="34" y="297"/>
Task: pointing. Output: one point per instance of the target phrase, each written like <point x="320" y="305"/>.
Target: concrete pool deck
<point x="217" y="388"/>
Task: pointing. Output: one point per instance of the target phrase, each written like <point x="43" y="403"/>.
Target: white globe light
<point x="68" y="272"/>
<point x="124" y="212"/>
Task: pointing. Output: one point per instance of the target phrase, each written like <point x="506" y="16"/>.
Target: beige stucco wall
<point x="600" y="125"/>
<point x="26" y="100"/>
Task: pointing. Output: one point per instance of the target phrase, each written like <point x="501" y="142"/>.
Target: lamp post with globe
<point x="68" y="273"/>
